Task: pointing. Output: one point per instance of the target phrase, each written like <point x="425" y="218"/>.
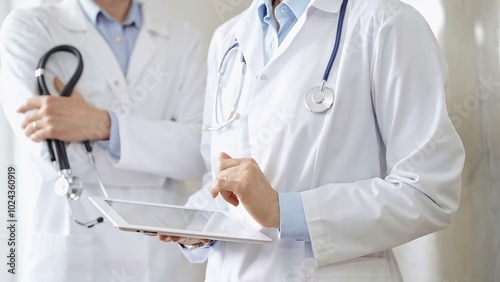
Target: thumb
<point x="224" y="156"/>
<point x="58" y="84"/>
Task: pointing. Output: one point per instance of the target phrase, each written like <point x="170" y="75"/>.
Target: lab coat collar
<point x="73" y="18"/>
<point x="249" y="24"/>
<point x="92" y="11"/>
<point x="330" y="6"/>
<point x="146" y="47"/>
<point x="248" y="33"/>
<point x="154" y="18"/>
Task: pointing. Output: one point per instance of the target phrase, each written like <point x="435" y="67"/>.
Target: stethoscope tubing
<point x="60" y="156"/>
<point x="223" y="65"/>
<point x="338" y="38"/>
<point x="60" y="147"/>
<point x="70" y="85"/>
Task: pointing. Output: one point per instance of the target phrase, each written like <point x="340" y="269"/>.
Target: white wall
<point x="207" y="15"/>
<point x="469" y="249"/>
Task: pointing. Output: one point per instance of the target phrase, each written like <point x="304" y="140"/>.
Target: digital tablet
<point x="179" y="221"/>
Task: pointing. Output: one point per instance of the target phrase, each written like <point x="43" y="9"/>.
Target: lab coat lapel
<point x="329" y="6"/>
<point x="91" y="44"/>
<point x="70" y="16"/>
<point x="100" y="53"/>
<point x="147" y="48"/>
<point x="249" y="34"/>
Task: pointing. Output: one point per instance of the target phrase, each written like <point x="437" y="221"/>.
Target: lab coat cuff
<point x="293" y="224"/>
<point x="198" y="255"/>
<point x="114" y="136"/>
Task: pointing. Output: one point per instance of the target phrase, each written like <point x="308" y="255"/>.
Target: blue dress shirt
<point x="121" y="38"/>
<point x="276" y="26"/>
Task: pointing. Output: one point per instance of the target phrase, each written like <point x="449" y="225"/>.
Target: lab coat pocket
<point x="58" y="258"/>
<point x="369" y="269"/>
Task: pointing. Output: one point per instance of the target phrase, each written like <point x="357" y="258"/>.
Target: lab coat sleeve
<point x="169" y="147"/>
<point x="423" y="152"/>
<point x="23" y="40"/>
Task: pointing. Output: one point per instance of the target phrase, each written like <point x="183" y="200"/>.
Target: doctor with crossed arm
<point x="139" y="101"/>
<point x="337" y="143"/>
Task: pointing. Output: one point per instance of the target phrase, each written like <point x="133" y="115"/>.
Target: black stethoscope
<point x="67" y="184"/>
<point x="317" y="100"/>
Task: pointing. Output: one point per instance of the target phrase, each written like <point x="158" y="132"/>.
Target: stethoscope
<point x="318" y="100"/>
<point x="67" y="184"/>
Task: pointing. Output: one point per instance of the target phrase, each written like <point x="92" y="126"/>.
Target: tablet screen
<point x="186" y="221"/>
<point x="163" y="217"/>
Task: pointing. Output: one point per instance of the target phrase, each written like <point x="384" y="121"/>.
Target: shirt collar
<point x="298" y="7"/>
<point x="134" y="15"/>
<point x="92" y="11"/>
<point x="263" y="8"/>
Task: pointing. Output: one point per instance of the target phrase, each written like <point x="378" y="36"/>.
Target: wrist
<point x="273" y="220"/>
<point x="102" y="127"/>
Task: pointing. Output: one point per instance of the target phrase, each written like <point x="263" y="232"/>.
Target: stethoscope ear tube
<point x="60" y="148"/>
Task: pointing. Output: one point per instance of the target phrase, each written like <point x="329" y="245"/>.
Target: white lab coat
<point x="159" y="107"/>
<point x="380" y="168"/>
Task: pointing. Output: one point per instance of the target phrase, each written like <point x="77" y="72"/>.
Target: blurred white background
<point x="469" y="33"/>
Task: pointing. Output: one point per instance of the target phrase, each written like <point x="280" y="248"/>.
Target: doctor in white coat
<point x="142" y="90"/>
<point x="335" y="190"/>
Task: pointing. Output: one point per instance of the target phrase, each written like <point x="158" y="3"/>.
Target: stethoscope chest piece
<point x="70" y="186"/>
<point x="319" y="99"/>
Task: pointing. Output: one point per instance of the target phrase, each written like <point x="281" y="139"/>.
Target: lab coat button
<point x="263" y="77"/>
<point x="283" y="9"/>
